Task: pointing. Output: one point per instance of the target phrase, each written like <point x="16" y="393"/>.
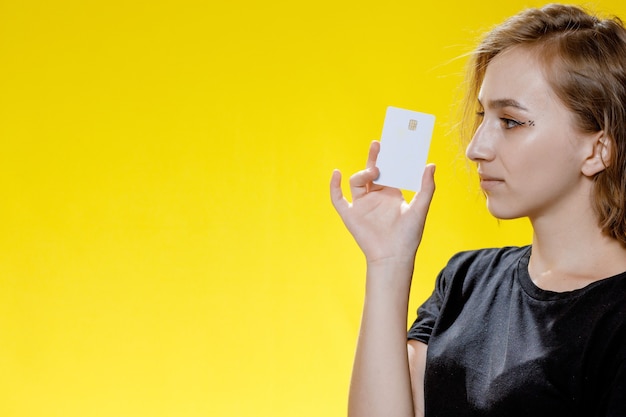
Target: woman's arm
<point x="388" y="230"/>
<point x="381" y="384"/>
<point x="417" y="365"/>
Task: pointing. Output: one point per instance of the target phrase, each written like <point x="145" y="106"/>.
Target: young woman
<point x="515" y="331"/>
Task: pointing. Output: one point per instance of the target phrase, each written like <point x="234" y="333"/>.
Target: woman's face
<point x="528" y="152"/>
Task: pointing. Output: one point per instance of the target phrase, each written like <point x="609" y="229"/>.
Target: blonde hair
<point x="585" y="64"/>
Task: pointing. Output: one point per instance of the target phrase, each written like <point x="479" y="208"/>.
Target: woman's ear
<point x="600" y="156"/>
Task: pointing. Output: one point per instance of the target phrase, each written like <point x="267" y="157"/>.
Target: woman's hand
<point x="388" y="230"/>
<point x="383" y="224"/>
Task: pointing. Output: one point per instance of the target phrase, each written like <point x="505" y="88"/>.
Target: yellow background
<point x="167" y="244"/>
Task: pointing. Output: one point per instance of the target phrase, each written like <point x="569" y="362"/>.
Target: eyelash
<point x="508" y="123"/>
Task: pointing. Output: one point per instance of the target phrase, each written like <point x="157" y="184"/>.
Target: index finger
<point x="373" y="154"/>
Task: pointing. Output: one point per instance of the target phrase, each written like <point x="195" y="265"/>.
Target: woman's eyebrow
<point x="504" y="102"/>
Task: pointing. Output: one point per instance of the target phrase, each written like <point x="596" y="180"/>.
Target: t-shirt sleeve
<point x="428" y="312"/>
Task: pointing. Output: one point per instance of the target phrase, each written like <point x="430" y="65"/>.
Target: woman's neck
<point x="573" y="252"/>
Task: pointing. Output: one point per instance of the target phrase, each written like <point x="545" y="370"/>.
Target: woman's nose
<point x="480" y="147"/>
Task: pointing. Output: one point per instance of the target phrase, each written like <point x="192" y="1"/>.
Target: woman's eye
<point x="510" y="123"/>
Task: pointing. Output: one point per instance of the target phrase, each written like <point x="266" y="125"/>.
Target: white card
<point x="404" y="148"/>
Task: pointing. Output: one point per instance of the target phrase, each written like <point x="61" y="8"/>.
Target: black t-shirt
<point x="500" y="346"/>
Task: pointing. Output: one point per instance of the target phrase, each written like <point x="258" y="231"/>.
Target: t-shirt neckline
<point x="535" y="292"/>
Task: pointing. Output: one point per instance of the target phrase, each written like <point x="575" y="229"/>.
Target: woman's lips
<point x="488" y="184"/>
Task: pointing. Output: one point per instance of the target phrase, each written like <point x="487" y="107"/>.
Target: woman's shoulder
<point x="470" y="269"/>
<point x="490" y="258"/>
